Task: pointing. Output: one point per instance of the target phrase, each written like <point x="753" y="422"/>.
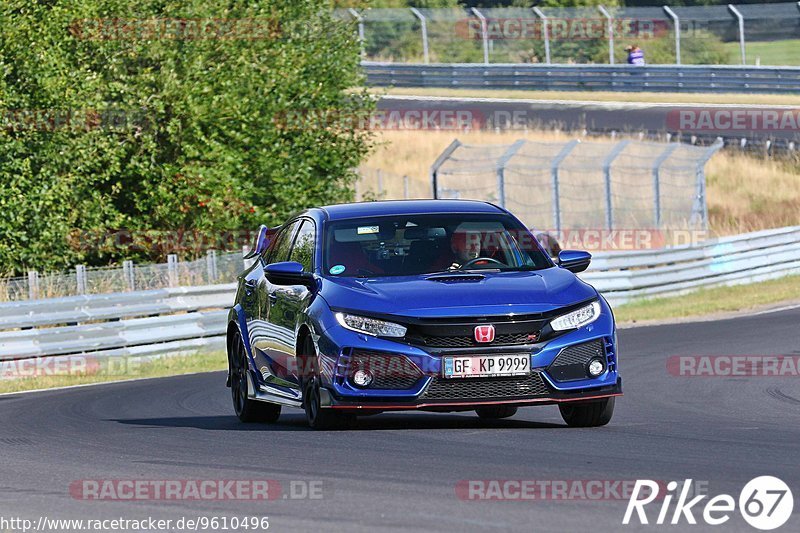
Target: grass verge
<point x="80" y="370"/>
<point x="601" y="96"/>
<point x="712" y="301"/>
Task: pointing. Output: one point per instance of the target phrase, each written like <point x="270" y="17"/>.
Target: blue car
<point x="435" y="305"/>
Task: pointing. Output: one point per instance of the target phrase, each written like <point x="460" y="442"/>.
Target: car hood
<point x="497" y="293"/>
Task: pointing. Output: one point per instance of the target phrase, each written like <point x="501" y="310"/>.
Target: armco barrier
<point x="188" y="319"/>
<point x="651" y="78"/>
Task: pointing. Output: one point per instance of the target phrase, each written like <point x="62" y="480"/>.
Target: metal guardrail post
<point x="33" y="285"/>
<point x="172" y="270"/>
<point x="80" y="278"/>
<point x="211" y="265"/>
<point x="546" y="33"/>
<point x="610" y="23"/>
<point x="739" y="16"/>
<point x="379" y="179"/>
<point x="438" y="163"/>
<point x="677" y="23"/>
<point x="424" y="27"/>
<point x="618" y="148"/>
<point x="554" y="165"/>
<point x="360" y="21"/>
<point x="128" y="274"/>
<point x="405" y="187"/>
<point x="657" y="182"/>
<point x="501" y="168"/>
<point x="484" y="34"/>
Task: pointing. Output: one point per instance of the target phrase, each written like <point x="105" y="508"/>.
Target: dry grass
<point x="745" y="193"/>
<point x="600" y="96"/>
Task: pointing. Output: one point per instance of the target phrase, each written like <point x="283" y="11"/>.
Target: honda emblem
<point x="484" y="333"/>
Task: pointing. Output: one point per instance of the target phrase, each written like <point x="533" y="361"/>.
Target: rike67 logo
<point x="765" y="503"/>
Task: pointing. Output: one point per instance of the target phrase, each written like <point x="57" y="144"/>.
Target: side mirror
<point x="574" y="260"/>
<point x="288" y="273"/>
<point x="262" y="241"/>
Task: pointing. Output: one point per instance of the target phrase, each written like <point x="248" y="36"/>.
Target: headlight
<point x="577" y="318"/>
<point x="371" y="326"/>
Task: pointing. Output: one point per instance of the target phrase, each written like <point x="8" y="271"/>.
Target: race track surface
<point x="400" y="471"/>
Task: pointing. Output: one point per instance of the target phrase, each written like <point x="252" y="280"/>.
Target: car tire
<point x="247" y="409"/>
<point x="316" y="416"/>
<point x="587" y="414"/>
<point x="494" y="412"/>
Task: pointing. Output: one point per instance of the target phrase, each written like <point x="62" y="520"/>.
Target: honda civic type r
<point x="436" y="305"/>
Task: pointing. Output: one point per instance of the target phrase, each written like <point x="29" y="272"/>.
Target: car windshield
<point x="420" y="244"/>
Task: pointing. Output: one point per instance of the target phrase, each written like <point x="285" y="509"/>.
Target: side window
<point x="303" y="249"/>
<point x="280" y="252"/>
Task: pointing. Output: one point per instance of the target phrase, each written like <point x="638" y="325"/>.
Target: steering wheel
<point x="478" y="259"/>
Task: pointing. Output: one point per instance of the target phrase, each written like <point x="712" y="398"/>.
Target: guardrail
<point x="189" y="319"/>
<point x="651" y="78"/>
<point x="118" y="324"/>
<point x="746" y="258"/>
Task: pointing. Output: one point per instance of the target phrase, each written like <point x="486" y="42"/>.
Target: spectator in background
<point x="635" y="55"/>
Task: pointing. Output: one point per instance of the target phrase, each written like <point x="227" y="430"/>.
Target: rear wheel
<point x="587" y="414"/>
<point x="317" y="416"/>
<point x="492" y="412"/>
<point x="247" y="409"/>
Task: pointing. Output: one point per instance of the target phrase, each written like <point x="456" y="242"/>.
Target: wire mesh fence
<point x="214" y="268"/>
<point x="582" y="185"/>
<point x="714" y="34"/>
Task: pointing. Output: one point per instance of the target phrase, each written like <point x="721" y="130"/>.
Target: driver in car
<point x="466" y="246"/>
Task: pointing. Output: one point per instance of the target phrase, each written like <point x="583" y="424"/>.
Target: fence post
<point x="607" y="175"/>
<point x="657" y="182"/>
<point x="546" y="32"/>
<point x="33" y="285"/>
<point x="128" y="274"/>
<point x="484" y="34"/>
<point x="739" y="16"/>
<point x="80" y="278"/>
<point x="700" y="174"/>
<point x="438" y="163"/>
<point x="405" y="187"/>
<point x="360" y="21"/>
<point x="379" y="175"/>
<point x="557" y="160"/>
<point x="501" y="169"/>
<point x="610" y="23"/>
<point x="211" y="265"/>
<point x="424" y="25"/>
<point x="172" y="270"/>
<point x="676" y="21"/>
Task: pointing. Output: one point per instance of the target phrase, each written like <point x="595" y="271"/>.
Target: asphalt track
<point x="652" y="119"/>
<point x="399" y="471"/>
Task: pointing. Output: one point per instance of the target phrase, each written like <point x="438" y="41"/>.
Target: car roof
<point x="407" y="207"/>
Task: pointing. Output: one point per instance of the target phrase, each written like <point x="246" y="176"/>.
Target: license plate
<point x="482" y="366"/>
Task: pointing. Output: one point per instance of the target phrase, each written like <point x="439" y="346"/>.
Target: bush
<point x="108" y="126"/>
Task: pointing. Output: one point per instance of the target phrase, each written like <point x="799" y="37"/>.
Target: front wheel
<point x="317" y="416"/>
<point x="247" y="409"/>
<point x="587" y="414"/>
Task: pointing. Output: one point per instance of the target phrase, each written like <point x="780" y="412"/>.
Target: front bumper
<point x="423" y="403"/>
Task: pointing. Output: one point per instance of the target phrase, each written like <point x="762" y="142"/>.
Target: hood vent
<point x="456" y="278"/>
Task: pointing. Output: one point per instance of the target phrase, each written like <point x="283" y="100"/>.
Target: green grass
<point x="603" y="96"/>
<point x="111" y="369"/>
<point x="710" y="301"/>
<point x="773" y="53"/>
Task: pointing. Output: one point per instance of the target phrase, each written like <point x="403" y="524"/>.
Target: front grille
<point x="486" y="388"/>
<point x="464" y="341"/>
<point x="390" y="371"/>
<point x="571" y="363"/>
